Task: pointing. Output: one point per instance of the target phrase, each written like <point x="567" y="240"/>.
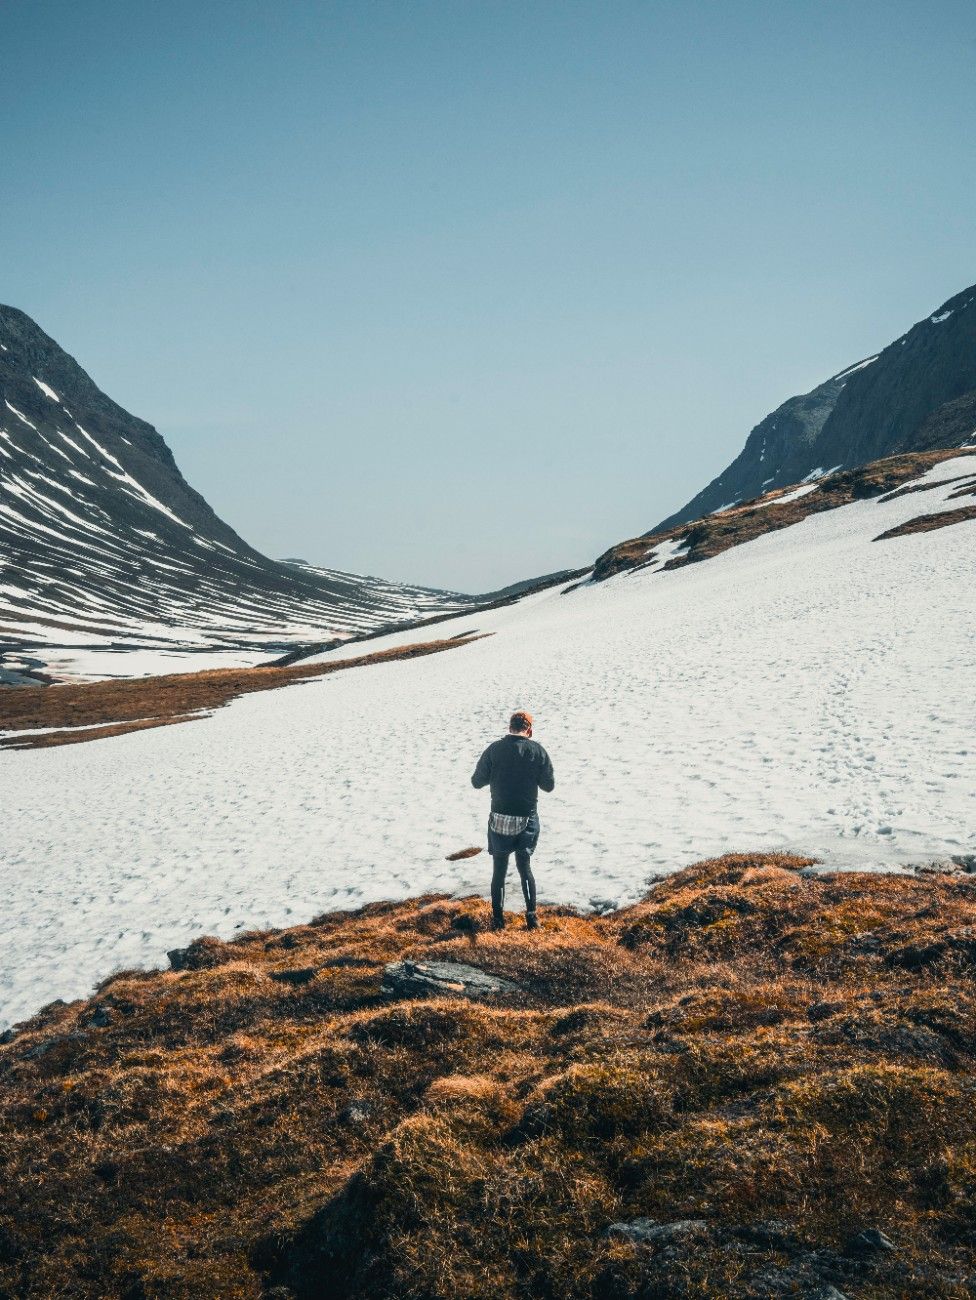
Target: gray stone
<point x="603" y="906"/>
<point x="872" y="1241"/>
<point x="409" y="979"/>
<point x="773" y="1234"/>
<point x="966" y="861"/>
<point x="937" y="867"/>
<point x="824" y="1293"/>
<point x="638" y="1230"/>
<point x="356" y="1113"/>
<point x="647" y="1232"/>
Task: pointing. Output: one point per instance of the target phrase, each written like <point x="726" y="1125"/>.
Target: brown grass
<point x="788" y="1059"/>
<point x="929" y="523"/>
<point x="966" y="490"/>
<point x="132" y="704"/>
<point x="714" y="534"/>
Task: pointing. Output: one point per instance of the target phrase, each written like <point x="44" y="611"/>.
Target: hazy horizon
<point x="465" y="294"/>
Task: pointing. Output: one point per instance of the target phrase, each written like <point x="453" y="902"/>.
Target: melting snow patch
<point x="140" y="493"/>
<point x="820" y="472"/>
<point x="76" y="446"/>
<point x="852" y="370"/>
<point x="20" y="415"/>
<point x="662" y="554"/>
<point x="98" y="446"/>
<point x="800" y="491"/>
<point x="126" y="478"/>
<point x="46" y="389"/>
<point x="937" y="320"/>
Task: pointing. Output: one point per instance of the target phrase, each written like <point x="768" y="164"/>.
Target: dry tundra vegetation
<point x="761" y="1075"/>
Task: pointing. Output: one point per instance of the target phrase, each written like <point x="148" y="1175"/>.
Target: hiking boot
<point x="531" y="921"/>
<point x="498" y="923"/>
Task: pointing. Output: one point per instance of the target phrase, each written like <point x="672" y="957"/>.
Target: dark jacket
<point x="516" y="768"/>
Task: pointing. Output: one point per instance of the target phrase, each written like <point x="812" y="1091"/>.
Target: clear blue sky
<point x="462" y="291"/>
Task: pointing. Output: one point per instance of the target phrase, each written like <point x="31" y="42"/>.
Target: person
<point x="517" y="768"/>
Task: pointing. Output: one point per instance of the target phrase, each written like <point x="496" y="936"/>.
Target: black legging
<point x="523" y="861"/>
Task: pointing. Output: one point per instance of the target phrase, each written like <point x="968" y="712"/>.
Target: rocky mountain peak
<point x="917" y="394"/>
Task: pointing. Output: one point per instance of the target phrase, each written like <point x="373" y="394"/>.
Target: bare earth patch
<point x="757" y="1082"/>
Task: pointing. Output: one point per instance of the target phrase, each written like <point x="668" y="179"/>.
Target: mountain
<point x="794" y="675"/>
<point x="753" y="1079"/>
<point x="916" y="395"/>
<point x="104" y="545"/>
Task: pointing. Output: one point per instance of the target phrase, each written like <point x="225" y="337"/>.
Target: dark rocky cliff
<point x="918" y="394"/>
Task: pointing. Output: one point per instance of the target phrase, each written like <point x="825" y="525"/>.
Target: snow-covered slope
<point x="811" y="689"/>
<point x="104" y="547"/>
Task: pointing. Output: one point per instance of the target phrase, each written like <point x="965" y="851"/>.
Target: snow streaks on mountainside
<point x="916" y="395"/>
<point x="103" y="544"/>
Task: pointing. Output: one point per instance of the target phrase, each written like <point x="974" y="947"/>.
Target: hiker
<point x="517" y="768"/>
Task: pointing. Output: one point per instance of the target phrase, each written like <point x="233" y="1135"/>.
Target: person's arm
<point x="482" y="773"/>
<point x="547" y="778"/>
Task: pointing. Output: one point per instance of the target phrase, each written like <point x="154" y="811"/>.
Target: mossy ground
<point x="788" y="1058"/>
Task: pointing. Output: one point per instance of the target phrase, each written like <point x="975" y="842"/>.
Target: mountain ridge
<point x="916" y="394"/>
<point x="104" y="545"/>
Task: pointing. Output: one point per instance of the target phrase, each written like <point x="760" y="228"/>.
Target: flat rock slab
<point x="647" y="1232"/>
<point x="410" y="979"/>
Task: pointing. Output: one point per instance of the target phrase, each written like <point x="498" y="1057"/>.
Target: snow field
<point x="810" y="690"/>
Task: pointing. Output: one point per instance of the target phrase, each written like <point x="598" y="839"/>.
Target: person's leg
<point x="523" y="861"/>
<point x="524" y="849"/>
<point x="500" y="861"/>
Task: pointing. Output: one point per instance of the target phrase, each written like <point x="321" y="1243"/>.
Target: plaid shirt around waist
<point x="505" y="824"/>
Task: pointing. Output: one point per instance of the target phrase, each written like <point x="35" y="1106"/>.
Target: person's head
<point x="520" y="723"/>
